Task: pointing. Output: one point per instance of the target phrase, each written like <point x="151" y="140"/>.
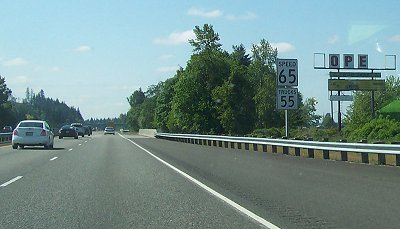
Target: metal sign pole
<point x="286" y="124"/>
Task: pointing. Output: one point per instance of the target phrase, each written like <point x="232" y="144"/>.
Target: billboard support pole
<point x="339" y="112"/>
<point x="373" y="100"/>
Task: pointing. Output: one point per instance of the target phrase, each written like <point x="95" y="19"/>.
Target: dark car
<point x="88" y="130"/>
<point x="68" y="131"/>
<point x="7" y="129"/>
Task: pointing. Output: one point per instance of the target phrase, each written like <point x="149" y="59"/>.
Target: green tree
<point x="234" y="100"/>
<point x="137" y="98"/>
<point x="263" y="77"/>
<point x="164" y="104"/>
<point x="135" y="101"/>
<point x="327" y="121"/>
<point x="360" y="112"/>
<point x="309" y="109"/>
<point x="206" y="39"/>
<point x="5" y="104"/>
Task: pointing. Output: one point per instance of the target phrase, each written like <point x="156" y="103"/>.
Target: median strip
<point x="11" y="181"/>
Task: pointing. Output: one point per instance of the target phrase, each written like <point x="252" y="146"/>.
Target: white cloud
<point x="395" y="38"/>
<point x="203" y="13"/>
<point x="18" y="61"/>
<point x="167" y="69"/>
<point x="22" y="79"/>
<point x="175" y="38"/>
<point x="333" y="40"/>
<point x="83" y="48"/>
<point x="246" y="16"/>
<point x="378" y="47"/>
<point x="283" y="47"/>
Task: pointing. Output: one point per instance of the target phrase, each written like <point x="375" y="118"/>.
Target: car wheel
<point x="21" y="146"/>
<point x="14" y="146"/>
<point x="83" y="135"/>
<point x="76" y="137"/>
<point x="60" y="137"/>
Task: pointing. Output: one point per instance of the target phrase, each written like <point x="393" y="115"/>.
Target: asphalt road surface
<point x="135" y="182"/>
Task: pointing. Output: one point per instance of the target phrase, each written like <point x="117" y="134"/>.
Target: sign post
<point x="287" y="92"/>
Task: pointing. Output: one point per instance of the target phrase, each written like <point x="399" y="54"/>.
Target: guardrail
<point x="379" y="154"/>
<point x="5" y="137"/>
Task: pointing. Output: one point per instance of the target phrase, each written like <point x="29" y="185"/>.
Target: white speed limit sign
<point x="287" y="72"/>
<point x="286" y="98"/>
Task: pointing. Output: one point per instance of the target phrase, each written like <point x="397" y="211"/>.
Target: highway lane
<point x="104" y="182"/>
<point x="25" y="160"/>
<point x="292" y="192"/>
<point x="107" y="182"/>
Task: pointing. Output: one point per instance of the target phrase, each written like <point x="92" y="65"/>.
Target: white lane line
<point x="11" y="181"/>
<point x="210" y="190"/>
<point x="79" y="144"/>
<point x="70" y="150"/>
<point x="53" y="158"/>
<point x="85" y="141"/>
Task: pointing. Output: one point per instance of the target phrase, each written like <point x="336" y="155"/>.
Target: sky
<point x="93" y="54"/>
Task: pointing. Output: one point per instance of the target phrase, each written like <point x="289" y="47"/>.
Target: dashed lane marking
<point x="11" y="181"/>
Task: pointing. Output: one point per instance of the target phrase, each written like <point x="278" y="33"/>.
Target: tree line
<point x="218" y="92"/>
<point x="34" y="106"/>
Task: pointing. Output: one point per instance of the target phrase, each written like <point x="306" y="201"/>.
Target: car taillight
<point x="43" y="133"/>
<point x="15" y="132"/>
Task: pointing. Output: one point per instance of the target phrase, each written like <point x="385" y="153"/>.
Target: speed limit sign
<point x="287" y="72"/>
<point x="286" y="98"/>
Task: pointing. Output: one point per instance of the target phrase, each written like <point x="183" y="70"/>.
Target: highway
<point x="136" y="182"/>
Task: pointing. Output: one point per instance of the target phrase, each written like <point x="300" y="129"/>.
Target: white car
<point x="79" y="128"/>
<point x="109" y="130"/>
<point x="32" y="133"/>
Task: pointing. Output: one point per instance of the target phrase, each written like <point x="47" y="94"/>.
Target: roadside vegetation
<point x="234" y="93"/>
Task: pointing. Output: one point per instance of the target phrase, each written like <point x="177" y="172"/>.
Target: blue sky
<point x="94" y="54"/>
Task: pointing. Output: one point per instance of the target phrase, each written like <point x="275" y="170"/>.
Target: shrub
<point x="379" y="129"/>
<point x="262" y="133"/>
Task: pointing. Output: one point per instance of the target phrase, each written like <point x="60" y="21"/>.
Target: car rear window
<point x="31" y="124"/>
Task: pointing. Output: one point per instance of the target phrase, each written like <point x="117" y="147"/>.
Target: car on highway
<point x="80" y="129"/>
<point x="109" y="130"/>
<point x="88" y="130"/>
<point x="68" y="131"/>
<point x="7" y="129"/>
<point x="32" y="133"/>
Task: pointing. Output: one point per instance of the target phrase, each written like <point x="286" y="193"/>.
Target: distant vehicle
<point x="88" y="130"/>
<point x="7" y="129"/>
<point x="68" y="131"/>
<point x="32" y="133"/>
<point x="79" y="127"/>
<point x="109" y="130"/>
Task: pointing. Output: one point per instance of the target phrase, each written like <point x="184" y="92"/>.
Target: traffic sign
<point x="287" y="70"/>
<point x="356" y="85"/>
<point x="341" y="98"/>
<point x="287" y="98"/>
<point x="356" y="74"/>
